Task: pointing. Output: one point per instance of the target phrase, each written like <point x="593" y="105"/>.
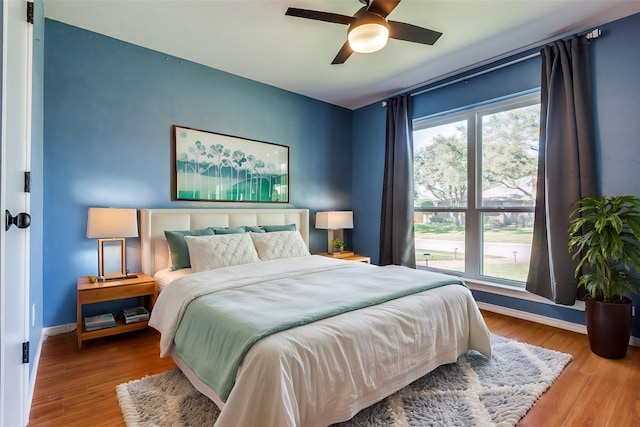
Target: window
<point x="474" y="189"/>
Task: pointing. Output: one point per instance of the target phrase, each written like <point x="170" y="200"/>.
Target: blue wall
<point x="109" y="107"/>
<point x="615" y="62"/>
<point x="369" y="125"/>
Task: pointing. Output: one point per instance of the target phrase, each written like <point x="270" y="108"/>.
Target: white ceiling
<point x="254" y="38"/>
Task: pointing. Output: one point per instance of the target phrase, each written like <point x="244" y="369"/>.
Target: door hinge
<point x="25" y="352"/>
<point x="27" y="182"/>
<point x="30" y="12"/>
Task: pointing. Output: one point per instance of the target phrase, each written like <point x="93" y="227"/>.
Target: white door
<point x="14" y="243"/>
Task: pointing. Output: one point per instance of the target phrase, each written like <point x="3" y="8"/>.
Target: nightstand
<point x="348" y="256"/>
<point x="144" y="287"/>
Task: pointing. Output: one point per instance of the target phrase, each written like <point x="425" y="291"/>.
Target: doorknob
<point x="22" y="220"/>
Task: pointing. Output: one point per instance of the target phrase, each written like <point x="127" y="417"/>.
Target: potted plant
<point x="604" y="235"/>
<point x="338" y="245"/>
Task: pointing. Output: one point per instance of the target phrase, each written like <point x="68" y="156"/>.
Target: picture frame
<point x="210" y="166"/>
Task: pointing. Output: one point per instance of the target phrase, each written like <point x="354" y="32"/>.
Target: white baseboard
<point x="537" y="318"/>
<point x="544" y="320"/>
<point x="60" y="329"/>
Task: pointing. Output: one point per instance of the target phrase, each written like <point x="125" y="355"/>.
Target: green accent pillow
<point x="178" y="246"/>
<point x="254" y="229"/>
<point x="288" y="227"/>
<point x="237" y="230"/>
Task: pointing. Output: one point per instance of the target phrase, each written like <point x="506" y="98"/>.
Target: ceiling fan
<point x="369" y="28"/>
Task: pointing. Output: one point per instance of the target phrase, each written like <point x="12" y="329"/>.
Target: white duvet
<point x="326" y="371"/>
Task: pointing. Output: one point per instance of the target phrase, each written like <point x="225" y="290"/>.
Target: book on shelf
<point x="135" y="314"/>
<point x="100" y="321"/>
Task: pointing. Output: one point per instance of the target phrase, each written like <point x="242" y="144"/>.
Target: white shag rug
<point x="474" y="391"/>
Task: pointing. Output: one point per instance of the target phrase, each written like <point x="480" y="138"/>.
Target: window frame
<point x="473" y="231"/>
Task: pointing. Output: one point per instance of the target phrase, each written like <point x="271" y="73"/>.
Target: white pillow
<point x="279" y="244"/>
<point x="217" y="251"/>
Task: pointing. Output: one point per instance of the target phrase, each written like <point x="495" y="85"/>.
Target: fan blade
<point x="320" y="16"/>
<point x="412" y="33"/>
<point x="343" y="55"/>
<point x="383" y="7"/>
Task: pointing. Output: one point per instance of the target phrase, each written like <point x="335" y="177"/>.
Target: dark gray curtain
<point x="397" y="244"/>
<point x="566" y="167"/>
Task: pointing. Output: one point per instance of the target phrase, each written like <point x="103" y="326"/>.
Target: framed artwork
<point x="214" y="167"/>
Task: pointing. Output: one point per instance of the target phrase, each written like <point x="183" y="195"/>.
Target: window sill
<point x="513" y="292"/>
<point x="505" y="290"/>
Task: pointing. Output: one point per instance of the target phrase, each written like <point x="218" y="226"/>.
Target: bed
<point x="358" y="347"/>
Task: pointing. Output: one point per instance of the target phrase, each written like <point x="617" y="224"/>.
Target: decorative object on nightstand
<point x="111" y="226"/>
<point x="143" y="287"/>
<point x="338" y="246"/>
<point x="334" y="222"/>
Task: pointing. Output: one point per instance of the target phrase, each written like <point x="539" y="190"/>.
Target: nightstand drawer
<point x="90" y="296"/>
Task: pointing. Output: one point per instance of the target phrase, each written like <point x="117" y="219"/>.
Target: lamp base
<point x="115" y="248"/>
<point x="331" y="235"/>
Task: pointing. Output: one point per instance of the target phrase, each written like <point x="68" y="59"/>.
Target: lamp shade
<point x="105" y="223"/>
<point x="334" y="220"/>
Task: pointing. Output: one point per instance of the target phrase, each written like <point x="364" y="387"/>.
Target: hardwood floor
<point x="591" y="391"/>
<point x="78" y="389"/>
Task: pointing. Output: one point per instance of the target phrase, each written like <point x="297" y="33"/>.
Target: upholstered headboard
<point x="154" y="222"/>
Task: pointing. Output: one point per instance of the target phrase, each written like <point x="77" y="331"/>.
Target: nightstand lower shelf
<point x="120" y="328"/>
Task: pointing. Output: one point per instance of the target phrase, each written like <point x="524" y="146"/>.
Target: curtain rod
<point x="594" y="34"/>
<point x="479" y="73"/>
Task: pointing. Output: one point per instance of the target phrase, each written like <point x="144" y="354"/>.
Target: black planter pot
<point x="609" y="327"/>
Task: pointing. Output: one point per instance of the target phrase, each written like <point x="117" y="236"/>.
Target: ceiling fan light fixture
<point x="368" y="34"/>
<point x="369" y="29"/>
<point x="368" y="38"/>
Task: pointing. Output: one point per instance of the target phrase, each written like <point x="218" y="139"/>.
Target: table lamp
<point x="334" y="222"/>
<point x="111" y="226"/>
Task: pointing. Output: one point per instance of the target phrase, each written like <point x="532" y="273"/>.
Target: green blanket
<point x="218" y="329"/>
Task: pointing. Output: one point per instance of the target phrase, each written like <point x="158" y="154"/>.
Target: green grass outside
<point x="438" y="255"/>
<point x="451" y="232"/>
<point x="512" y="271"/>
<point x="508" y="235"/>
<point x="444" y="255"/>
<point x="435" y="256"/>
